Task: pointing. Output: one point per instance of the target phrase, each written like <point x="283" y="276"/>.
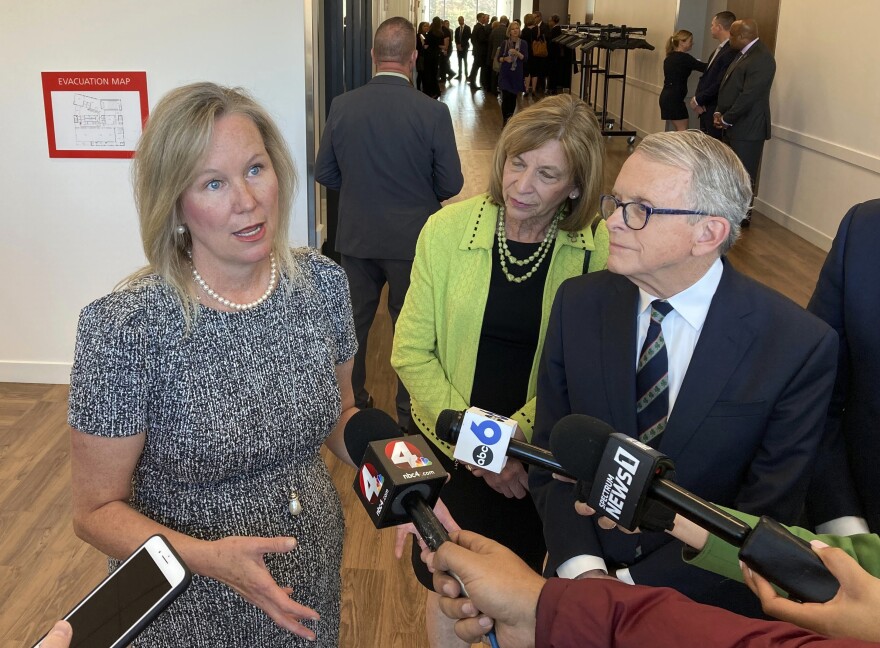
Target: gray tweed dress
<point x="235" y="413"/>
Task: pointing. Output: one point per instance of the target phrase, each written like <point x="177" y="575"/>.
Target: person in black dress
<point x="433" y="51"/>
<point x="677" y="67"/>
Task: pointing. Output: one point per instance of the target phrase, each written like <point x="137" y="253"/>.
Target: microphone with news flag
<point x="631" y="483"/>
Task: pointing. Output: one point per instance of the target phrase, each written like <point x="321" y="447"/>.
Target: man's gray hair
<point x="720" y="184"/>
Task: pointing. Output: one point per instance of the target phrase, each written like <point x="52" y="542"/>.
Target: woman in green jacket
<point x="472" y="328"/>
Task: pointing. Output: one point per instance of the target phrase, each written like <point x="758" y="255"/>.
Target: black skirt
<point x="672" y="104"/>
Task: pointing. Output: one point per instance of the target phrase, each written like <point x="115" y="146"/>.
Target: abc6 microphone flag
<point x="483" y="439"/>
<point x="391" y="469"/>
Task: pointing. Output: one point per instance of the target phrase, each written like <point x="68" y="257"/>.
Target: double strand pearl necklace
<point x="273" y="275"/>
<point x="504" y="253"/>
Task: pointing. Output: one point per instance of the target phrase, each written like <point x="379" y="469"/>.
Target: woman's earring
<point x="573" y="195"/>
<point x="181" y="229"/>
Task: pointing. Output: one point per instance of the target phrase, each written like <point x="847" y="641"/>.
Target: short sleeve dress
<point x="235" y="412"/>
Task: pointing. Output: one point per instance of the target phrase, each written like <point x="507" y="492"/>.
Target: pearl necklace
<point x="230" y="304"/>
<point x="505" y="255"/>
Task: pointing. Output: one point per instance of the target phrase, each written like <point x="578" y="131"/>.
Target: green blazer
<point x="723" y="558"/>
<point x="438" y="331"/>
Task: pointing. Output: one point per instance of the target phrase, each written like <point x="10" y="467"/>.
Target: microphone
<point x="399" y="479"/>
<point x="482" y="432"/>
<point x="410" y="491"/>
<point x="624" y="478"/>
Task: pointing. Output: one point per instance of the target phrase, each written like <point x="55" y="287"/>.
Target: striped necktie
<point x="652" y="378"/>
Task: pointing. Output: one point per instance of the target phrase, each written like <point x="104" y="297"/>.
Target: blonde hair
<point x="571" y="122"/>
<point x="678" y="37"/>
<point x="175" y="140"/>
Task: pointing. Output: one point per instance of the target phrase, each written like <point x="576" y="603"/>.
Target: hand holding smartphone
<point x="118" y="609"/>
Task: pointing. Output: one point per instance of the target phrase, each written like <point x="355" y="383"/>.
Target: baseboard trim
<point x="49" y="373"/>
<point x="789" y="222"/>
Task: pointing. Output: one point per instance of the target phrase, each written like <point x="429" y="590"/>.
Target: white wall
<point x="644" y="68"/>
<point x="825" y="152"/>
<point x="69" y="226"/>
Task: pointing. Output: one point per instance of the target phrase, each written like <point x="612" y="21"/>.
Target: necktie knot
<point x="660" y="308"/>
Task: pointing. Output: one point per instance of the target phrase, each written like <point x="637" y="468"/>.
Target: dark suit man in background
<point x="390" y="152"/>
<point x="732" y="381"/>
<point x="743" y="110"/>
<point x="706" y="97"/>
<point x="847" y="298"/>
<point x="480" y="40"/>
<point x="462" y="45"/>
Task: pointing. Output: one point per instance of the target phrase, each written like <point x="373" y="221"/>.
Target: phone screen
<point x="118" y="605"/>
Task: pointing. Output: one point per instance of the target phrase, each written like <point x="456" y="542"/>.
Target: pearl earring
<point x="181" y="229"/>
<point x="573" y="195"/>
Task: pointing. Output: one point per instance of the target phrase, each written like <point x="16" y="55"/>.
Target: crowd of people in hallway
<point x="204" y="386"/>
<point x="508" y="58"/>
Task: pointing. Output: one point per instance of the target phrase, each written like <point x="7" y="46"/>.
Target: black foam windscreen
<point x="578" y="442"/>
<point x="366" y="426"/>
<point x="448" y="426"/>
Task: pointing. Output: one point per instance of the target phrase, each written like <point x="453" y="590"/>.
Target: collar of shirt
<point x="691" y="303"/>
<point x="747" y="47"/>
<point x="397" y="74"/>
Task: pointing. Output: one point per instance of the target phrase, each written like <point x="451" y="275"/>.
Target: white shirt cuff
<point x="844" y="526"/>
<point x="574" y="567"/>
<point x="623" y="575"/>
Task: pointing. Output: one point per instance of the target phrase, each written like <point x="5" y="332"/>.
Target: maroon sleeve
<point x="602" y="613"/>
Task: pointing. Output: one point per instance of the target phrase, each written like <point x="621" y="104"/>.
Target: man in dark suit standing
<point x="743" y="110"/>
<point x="845" y="485"/>
<point x="673" y="346"/>
<point x="390" y="152"/>
<point x="462" y="45"/>
<point x="480" y="39"/>
<point x="706" y="97"/>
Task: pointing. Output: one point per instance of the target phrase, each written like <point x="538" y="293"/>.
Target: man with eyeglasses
<point x="673" y="346"/>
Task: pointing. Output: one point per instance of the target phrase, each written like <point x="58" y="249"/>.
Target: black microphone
<point x="449" y="428"/>
<point x="408" y="472"/>
<point x="624" y="476"/>
<point x="399" y="478"/>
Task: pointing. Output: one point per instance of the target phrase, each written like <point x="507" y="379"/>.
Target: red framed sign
<point x="94" y="114"/>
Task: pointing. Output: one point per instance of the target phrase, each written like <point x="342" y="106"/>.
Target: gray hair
<point x="720" y="184"/>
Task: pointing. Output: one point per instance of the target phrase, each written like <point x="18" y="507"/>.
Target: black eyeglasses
<point x="636" y="215"/>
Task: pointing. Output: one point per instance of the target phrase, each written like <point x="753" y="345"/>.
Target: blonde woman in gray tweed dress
<point x="204" y="386"/>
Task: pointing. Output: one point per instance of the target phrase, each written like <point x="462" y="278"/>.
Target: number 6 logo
<point x="489" y="432"/>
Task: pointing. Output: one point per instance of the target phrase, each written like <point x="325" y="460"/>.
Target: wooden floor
<point x="45" y="569"/>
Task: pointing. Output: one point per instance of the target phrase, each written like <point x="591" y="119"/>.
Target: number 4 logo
<point x="401" y="452"/>
<point x="371" y="483"/>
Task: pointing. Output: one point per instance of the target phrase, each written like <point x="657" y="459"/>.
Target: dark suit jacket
<point x="744" y="94"/>
<point x="847" y="298"/>
<point x="480" y="39"/>
<point x="463" y="37"/>
<point x="709" y="83"/>
<point x="390" y="152"/>
<point x="743" y="432"/>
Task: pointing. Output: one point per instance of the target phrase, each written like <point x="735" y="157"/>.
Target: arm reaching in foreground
<point x="852" y="613"/>
<point x="528" y="611"/>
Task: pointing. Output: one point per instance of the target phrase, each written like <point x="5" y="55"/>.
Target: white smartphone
<point x="118" y="609"/>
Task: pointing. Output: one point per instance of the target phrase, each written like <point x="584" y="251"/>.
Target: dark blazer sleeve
<point x="327" y="170"/>
<point x="832" y="492"/>
<point x="707" y="88"/>
<point x="566" y="533"/>
<point x="599" y="613"/>
<point x="448" y="179"/>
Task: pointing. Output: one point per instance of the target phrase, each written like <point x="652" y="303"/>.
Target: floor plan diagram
<point x="98" y="122"/>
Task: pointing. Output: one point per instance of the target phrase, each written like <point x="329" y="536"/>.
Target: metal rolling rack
<point x="592" y="40"/>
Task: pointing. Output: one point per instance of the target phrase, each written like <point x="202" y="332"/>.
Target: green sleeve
<point x="722" y="558"/>
<point x="414" y="352"/>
